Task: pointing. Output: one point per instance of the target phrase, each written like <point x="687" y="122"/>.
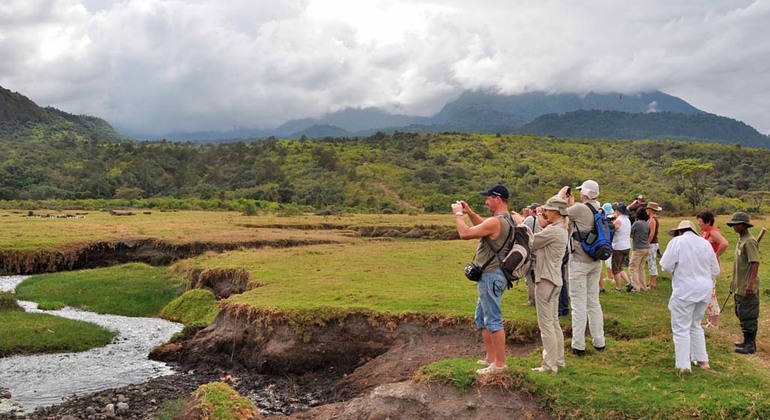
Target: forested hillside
<point x="398" y="173"/>
<point x="655" y="125"/>
<point x="22" y="119"/>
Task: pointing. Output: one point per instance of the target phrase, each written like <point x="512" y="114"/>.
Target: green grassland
<point x="22" y="233"/>
<point x="24" y="333"/>
<point x="130" y="290"/>
<point x="633" y="378"/>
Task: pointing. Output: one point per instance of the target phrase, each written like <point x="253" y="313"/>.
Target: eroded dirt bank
<point x="372" y="357"/>
<point x="109" y="253"/>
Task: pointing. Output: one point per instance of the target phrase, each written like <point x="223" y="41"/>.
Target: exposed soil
<point x="373" y="386"/>
<point x="109" y="253"/>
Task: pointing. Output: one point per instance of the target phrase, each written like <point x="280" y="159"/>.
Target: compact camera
<point x="473" y="271"/>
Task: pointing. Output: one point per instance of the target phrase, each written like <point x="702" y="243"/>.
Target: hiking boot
<point x="747" y="338"/>
<point x="629" y="287"/>
<point x="600" y="348"/>
<point x="748" y="348"/>
<point x="578" y="352"/>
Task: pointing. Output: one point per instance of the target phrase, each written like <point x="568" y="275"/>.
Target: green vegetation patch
<point x="195" y="308"/>
<point x="42" y="333"/>
<point x="218" y="400"/>
<point x="8" y="302"/>
<point x="632" y="379"/>
<point x="131" y="289"/>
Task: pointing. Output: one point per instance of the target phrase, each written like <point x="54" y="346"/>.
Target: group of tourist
<point x="692" y="260"/>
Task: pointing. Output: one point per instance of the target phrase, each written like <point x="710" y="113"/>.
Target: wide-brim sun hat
<point x="738" y="218"/>
<point x="654" y="206"/>
<point x="556" y="203"/>
<point x="683" y="226"/>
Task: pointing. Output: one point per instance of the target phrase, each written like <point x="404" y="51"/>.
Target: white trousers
<point x="689" y="339"/>
<point x="584" y="299"/>
<point x="652" y="262"/>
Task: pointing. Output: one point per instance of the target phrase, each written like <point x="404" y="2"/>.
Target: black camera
<point x="473" y="271"/>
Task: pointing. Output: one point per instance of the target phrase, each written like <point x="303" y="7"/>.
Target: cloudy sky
<point x="155" y="66"/>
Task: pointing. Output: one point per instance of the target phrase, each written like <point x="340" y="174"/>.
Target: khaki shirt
<point x="746" y="253"/>
<point x="549" y="247"/>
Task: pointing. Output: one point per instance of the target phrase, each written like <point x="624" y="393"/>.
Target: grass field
<point x="634" y="378"/>
<point x="29" y="333"/>
<point x="22" y="233"/>
<point x="130" y="290"/>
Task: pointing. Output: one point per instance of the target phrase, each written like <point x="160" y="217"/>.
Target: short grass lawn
<point x="27" y="333"/>
<point x="131" y="289"/>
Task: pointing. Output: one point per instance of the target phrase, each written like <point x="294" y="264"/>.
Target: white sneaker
<point x="542" y="369"/>
<point x="482" y="362"/>
<point x="491" y="369"/>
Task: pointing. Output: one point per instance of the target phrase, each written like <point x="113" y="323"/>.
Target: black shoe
<point x="737" y="344"/>
<point x="629" y="287"/>
<point x="578" y="353"/>
<point x="748" y="348"/>
<point x="600" y="348"/>
<point x="602" y="290"/>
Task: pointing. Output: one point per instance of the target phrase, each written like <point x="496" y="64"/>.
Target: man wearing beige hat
<point x="692" y="265"/>
<point x="584" y="270"/>
<point x="745" y="282"/>
<point x="652" y="261"/>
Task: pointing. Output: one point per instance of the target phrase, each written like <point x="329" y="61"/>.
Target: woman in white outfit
<point x="692" y="264"/>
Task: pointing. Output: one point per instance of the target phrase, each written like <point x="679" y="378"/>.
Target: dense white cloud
<point x="184" y="65"/>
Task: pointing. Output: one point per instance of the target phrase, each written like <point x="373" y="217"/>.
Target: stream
<point x="47" y="379"/>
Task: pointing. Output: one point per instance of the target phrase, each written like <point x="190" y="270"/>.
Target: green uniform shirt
<point x="746" y="253"/>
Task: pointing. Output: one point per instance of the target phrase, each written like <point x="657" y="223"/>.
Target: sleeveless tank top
<point x="622" y="238"/>
<point x="706" y="234"/>
<point x="655" y="235"/>
<point x="483" y="251"/>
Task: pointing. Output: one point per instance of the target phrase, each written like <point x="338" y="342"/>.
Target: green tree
<point x="690" y="178"/>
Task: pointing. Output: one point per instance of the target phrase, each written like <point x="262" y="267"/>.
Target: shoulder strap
<point x="491" y="246"/>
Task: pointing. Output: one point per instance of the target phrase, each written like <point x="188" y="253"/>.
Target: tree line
<point x="400" y="172"/>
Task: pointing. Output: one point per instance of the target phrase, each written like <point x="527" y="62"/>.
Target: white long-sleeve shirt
<point x="692" y="264"/>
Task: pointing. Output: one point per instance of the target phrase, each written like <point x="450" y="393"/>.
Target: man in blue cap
<point x="492" y="233"/>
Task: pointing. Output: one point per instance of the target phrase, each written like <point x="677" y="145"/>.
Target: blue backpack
<point x="598" y="242"/>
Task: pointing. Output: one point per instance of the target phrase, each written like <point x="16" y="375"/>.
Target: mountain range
<point x="646" y="115"/>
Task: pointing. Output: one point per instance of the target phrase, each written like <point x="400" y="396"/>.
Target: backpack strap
<point x="577" y="230"/>
<point x="508" y="278"/>
<point x="491" y="246"/>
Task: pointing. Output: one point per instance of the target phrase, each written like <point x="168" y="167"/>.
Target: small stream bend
<point x="47" y="379"/>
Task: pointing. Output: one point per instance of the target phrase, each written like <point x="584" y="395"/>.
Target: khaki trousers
<point x="547" y="301"/>
<point x="636" y="268"/>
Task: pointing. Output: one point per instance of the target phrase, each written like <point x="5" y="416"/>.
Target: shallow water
<point x="42" y="380"/>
